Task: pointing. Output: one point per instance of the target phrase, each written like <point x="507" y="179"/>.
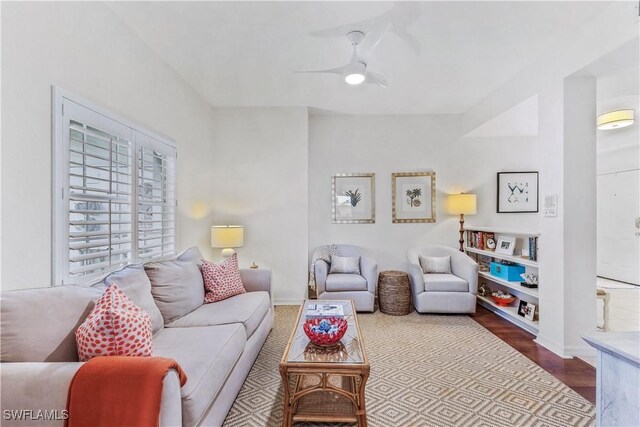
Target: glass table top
<point x="347" y="350"/>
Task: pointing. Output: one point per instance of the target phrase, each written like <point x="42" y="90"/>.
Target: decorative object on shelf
<point x="530" y="312"/>
<point x="506" y="245"/>
<point x="461" y="204"/>
<point x="325" y="331"/>
<point x="521" y="307"/>
<point x="484" y="290"/>
<point x="508" y="272"/>
<point x="491" y="243"/>
<point x="227" y="237"/>
<point x="353" y="198"/>
<point x="530" y="280"/>
<point x="503" y="299"/>
<point x="615" y="119"/>
<point x="413" y="197"/>
<point x="253" y="265"/>
<point x="517" y="192"/>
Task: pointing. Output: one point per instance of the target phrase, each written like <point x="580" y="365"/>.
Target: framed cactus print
<point x="353" y="198"/>
<point x="413" y="197"/>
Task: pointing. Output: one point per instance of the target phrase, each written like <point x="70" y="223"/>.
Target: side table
<point x="394" y="293"/>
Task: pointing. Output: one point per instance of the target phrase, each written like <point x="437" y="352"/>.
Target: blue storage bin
<point x="510" y="273"/>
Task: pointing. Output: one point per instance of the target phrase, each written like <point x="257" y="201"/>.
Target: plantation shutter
<point x="98" y="199"/>
<point x="156" y="198"/>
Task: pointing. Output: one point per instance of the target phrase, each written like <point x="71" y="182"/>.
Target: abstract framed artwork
<point x="353" y="198"/>
<point x="413" y="197"/>
<point x="517" y="192"/>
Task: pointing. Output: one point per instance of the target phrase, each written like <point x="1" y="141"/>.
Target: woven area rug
<point x="426" y="370"/>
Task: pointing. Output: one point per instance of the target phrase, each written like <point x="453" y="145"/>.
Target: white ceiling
<point x="244" y="53"/>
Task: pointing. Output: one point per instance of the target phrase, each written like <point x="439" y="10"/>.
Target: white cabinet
<point x="484" y="255"/>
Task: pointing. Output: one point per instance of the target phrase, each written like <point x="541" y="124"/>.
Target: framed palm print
<point x="517" y="192"/>
<point x="353" y="198"/>
<point x="413" y="197"/>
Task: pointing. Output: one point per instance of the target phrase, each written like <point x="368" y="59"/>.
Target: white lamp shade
<point x="616" y="119"/>
<point x="227" y="236"/>
<point x="462" y="204"/>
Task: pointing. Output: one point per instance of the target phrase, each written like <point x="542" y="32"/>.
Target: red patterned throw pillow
<point x="222" y="281"/>
<point x="115" y="327"/>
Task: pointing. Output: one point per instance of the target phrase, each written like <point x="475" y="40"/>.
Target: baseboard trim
<point x="551" y="346"/>
<point x="582" y="352"/>
<point x="288" y="302"/>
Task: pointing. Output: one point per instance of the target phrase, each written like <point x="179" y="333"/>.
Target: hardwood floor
<point x="575" y="373"/>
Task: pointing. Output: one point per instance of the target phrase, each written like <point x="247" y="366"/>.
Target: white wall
<point x="108" y="65"/>
<point x="260" y="173"/>
<point x="386" y="144"/>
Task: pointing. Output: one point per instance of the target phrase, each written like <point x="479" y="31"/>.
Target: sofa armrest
<point x="369" y="270"/>
<point x="255" y="279"/>
<point x="466" y="268"/>
<point x="321" y="269"/>
<point x="416" y="279"/>
<point x="40" y="386"/>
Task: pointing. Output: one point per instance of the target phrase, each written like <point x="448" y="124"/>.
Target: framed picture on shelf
<point x="517" y="192"/>
<point x="521" y="308"/>
<point x="529" y="311"/>
<point x="505" y="245"/>
<point x="353" y="198"/>
<point x="413" y="197"/>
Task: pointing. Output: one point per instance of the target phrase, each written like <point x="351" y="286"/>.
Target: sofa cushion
<point x="248" y="309"/>
<point x="344" y="264"/>
<point x="345" y="282"/>
<point x="435" y="264"/>
<point x="27" y="332"/>
<point x="176" y="286"/>
<point x="134" y="282"/>
<point x="221" y="281"/>
<point x="444" y="283"/>
<point x="115" y="327"/>
<point x="207" y="355"/>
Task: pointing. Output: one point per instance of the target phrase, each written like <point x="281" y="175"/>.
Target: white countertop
<point x="624" y="345"/>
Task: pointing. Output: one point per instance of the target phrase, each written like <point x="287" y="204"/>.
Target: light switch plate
<point x="550" y="207"/>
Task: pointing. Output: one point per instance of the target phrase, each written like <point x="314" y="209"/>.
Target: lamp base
<point x="227" y="252"/>
<point x="461" y="241"/>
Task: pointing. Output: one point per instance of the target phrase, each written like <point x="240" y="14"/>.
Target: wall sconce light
<point x="227" y="237"/>
<point x="616" y="119"/>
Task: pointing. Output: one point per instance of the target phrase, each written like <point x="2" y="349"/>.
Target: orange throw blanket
<point x="119" y="391"/>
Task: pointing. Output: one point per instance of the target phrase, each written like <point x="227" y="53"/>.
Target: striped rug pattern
<point x="426" y="370"/>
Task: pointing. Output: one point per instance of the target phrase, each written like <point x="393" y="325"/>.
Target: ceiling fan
<point x="356" y="72"/>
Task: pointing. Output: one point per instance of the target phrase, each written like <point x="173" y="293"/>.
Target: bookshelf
<point x="476" y="248"/>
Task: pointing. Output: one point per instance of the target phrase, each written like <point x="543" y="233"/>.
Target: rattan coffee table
<point x="325" y="384"/>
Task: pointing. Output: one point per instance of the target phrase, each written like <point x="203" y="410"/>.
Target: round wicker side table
<point x="394" y="293"/>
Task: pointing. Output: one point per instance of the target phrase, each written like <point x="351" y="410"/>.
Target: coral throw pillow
<point x="222" y="281"/>
<point x="115" y="327"/>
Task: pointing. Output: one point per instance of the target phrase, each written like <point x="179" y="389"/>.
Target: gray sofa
<point x="215" y="344"/>
<point x="361" y="288"/>
<point x="443" y="293"/>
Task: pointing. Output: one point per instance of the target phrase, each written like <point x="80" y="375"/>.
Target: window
<point x="114" y="193"/>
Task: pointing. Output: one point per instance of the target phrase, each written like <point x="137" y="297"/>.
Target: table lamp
<point x="462" y="204"/>
<point x="227" y="237"/>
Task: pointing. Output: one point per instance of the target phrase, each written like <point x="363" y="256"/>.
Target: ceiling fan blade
<point x="375" y="78"/>
<point x="338" y="70"/>
<point x="371" y="41"/>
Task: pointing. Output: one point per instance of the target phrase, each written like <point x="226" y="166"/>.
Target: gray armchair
<point x="443" y="293"/>
<point x="361" y="288"/>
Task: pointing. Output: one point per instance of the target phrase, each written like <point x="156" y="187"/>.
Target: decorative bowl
<point x="503" y="300"/>
<point x="325" y="331"/>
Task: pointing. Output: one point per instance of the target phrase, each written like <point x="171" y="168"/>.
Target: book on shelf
<point x="533" y="248"/>
<point x="324" y="310"/>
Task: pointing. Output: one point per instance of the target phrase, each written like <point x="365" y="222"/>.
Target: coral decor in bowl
<point x="325" y="331"/>
<point x="502" y="299"/>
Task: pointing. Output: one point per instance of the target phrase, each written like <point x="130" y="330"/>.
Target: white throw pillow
<point x="345" y="264"/>
<point x="435" y="264"/>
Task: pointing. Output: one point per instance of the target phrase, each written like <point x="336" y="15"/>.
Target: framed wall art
<point x="353" y="198"/>
<point x="517" y="192"/>
<point x="413" y="197"/>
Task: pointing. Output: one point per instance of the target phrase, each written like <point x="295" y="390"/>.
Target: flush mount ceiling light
<point x="616" y="119"/>
<point x="356" y="72"/>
